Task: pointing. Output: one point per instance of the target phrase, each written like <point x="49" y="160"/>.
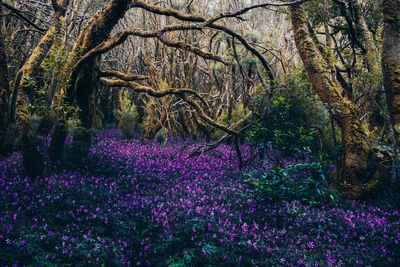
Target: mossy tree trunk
<point x="32" y="159"/>
<point x="366" y="39"/>
<point x="80" y="91"/>
<point x="391" y="61"/>
<point x="355" y="172"/>
<point x="371" y="59"/>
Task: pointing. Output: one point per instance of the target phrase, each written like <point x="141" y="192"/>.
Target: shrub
<point x="295" y="120"/>
<point x="305" y="182"/>
<point x="127" y="118"/>
<point x="127" y="123"/>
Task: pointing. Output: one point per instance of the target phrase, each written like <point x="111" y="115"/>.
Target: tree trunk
<point x="32" y="159"/>
<point x="367" y="40"/>
<point x="97" y="29"/>
<point x="355" y="173"/>
<point x="4" y="93"/>
<point x="371" y="58"/>
<point x="391" y="61"/>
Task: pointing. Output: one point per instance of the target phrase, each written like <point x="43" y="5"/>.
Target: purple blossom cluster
<point x="136" y="203"/>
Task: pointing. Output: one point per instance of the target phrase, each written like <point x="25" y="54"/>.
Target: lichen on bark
<point x="391" y="61"/>
<point x="355" y="175"/>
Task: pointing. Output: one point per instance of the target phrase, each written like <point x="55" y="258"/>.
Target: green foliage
<point x="305" y="182"/>
<point x="293" y="120"/>
<point x="73" y="123"/>
<point x="238" y="113"/>
<point x="218" y="67"/>
<point x="82" y="139"/>
<point x="363" y="81"/>
<point x="127" y="117"/>
<point x="253" y="36"/>
<point x="55" y="61"/>
<point x="40" y="107"/>
<point x="53" y="77"/>
<point x="373" y="16"/>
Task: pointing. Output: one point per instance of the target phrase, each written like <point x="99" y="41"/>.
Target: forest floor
<point x="133" y="203"/>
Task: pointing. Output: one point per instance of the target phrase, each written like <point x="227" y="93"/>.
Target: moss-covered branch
<point x="182" y="93"/>
<point x="122" y="76"/>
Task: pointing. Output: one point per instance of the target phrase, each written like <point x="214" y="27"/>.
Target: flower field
<point x="134" y="203"/>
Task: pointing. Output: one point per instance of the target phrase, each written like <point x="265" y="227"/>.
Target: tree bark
<point x="4" y="93"/>
<point x="356" y="175"/>
<point x="391" y="61"/>
<point x="371" y="51"/>
<point x="371" y="59"/>
<point x="80" y="91"/>
<point x="32" y="159"/>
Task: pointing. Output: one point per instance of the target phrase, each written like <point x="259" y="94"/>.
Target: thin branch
<point x="209" y="23"/>
<point x="19" y="14"/>
<point x="246" y="9"/>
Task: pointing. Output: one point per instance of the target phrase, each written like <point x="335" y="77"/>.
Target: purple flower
<point x="310" y="245"/>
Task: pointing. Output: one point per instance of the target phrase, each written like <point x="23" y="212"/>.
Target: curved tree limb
<point x="181" y="93"/>
<point x="19" y="14"/>
<point x="122" y="76"/>
<point x="209" y="23"/>
<point x="150" y="91"/>
<point x="191" y="48"/>
<point x="120" y="37"/>
<point x="246" y="9"/>
<point x="208" y="147"/>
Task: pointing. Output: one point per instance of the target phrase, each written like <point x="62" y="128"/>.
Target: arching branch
<point x="181" y="93"/>
<point x="150" y="91"/>
<point x="122" y="76"/>
<point x="246" y="9"/>
<point x="209" y="23"/>
<point x="120" y="37"/>
<point x="191" y="48"/>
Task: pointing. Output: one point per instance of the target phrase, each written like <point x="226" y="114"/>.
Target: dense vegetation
<point x="199" y="133"/>
<point x="134" y="203"/>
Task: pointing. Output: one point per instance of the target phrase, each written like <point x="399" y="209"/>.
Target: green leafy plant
<point x="295" y="118"/>
<point x="127" y="117"/>
<point x="305" y="182"/>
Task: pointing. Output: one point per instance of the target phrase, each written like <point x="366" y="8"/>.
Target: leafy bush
<point x="127" y="123"/>
<point x="127" y="116"/>
<point x="295" y="120"/>
<point x="305" y="182"/>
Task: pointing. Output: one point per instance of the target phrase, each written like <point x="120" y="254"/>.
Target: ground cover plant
<point x="140" y="204"/>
